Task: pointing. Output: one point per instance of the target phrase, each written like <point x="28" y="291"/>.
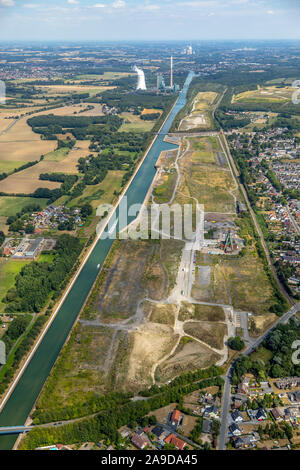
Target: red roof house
<point x="178" y="443"/>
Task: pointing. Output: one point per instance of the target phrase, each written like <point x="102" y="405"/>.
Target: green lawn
<point x="46" y="258"/>
<point x="13" y="205"/>
<point x="8" y="271"/>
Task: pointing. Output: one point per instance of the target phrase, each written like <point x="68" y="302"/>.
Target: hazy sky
<point x="149" y="19"/>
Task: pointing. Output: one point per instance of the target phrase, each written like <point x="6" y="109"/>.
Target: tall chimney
<point x="171" y="80"/>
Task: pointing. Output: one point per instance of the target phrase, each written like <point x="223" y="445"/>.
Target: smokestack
<point x="171" y="80"/>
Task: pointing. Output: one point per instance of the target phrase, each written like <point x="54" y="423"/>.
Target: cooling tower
<point x="141" y="85"/>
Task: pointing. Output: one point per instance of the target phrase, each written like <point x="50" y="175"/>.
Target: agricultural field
<point x="268" y="94"/>
<point x="75" y="110"/>
<point x="57" y="90"/>
<point x="201" y="114"/>
<point x="20" y="145"/>
<point x="10" y="205"/>
<point x="59" y="161"/>
<point x="106" y="76"/>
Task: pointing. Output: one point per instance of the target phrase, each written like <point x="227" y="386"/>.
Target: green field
<point x="134" y="123"/>
<point x="8" y="271"/>
<point x="13" y="205"/>
<point x="102" y="193"/>
<point x="57" y="155"/>
<point x="6" y="166"/>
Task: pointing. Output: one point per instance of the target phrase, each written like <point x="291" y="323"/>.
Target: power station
<point x="161" y="86"/>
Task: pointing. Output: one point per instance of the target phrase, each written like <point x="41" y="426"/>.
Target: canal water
<point x="29" y="386"/>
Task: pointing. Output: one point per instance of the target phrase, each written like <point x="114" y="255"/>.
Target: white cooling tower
<point x="141" y="85"/>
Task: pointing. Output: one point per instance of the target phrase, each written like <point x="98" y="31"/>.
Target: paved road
<point x="296" y="226"/>
<point x="226" y="400"/>
<point x="9" y="127"/>
<point x="284" y="319"/>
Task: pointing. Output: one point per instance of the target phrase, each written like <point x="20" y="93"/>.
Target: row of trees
<point x="106" y="424"/>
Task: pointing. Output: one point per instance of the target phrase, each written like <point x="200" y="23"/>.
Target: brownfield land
<point x="189" y="355"/>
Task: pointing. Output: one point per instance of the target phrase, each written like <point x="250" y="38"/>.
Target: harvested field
<point x="27" y="181"/>
<point x="211" y="333"/>
<point x="66" y="89"/>
<point x="60" y="161"/>
<point x="24" y="151"/>
<point x="76" y="109"/>
<point x="105" y="76"/>
<point x="188" y="356"/>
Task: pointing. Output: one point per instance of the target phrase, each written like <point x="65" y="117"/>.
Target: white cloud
<point x="98" y="5"/>
<point x="7" y="3"/>
<point x="271" y="12"/>
<point x="73" y="2"/>
<point x="151" y="7"/>
<point x="119" y="4"/>
<point x="31" y="5"/>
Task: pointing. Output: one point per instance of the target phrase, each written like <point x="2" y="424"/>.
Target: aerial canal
<point x="23" y="397"/>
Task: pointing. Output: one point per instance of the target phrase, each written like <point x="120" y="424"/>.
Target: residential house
<point x="175" y="418"/>
<point x="207" y="426"/>
<point x="276" y="413"/>
<point x="211" y="412"/>
<point x="235" y="430"/>
<point x="160" y="432"/>
<point x="237" y="417"/>
<point x="140" y="441"/>
<point x="261" y="415"/>
<point x="178" y="443"/>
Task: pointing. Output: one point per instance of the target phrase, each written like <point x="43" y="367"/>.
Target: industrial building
<point x="161" y="85"/>
<point x="29" y="249"/>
